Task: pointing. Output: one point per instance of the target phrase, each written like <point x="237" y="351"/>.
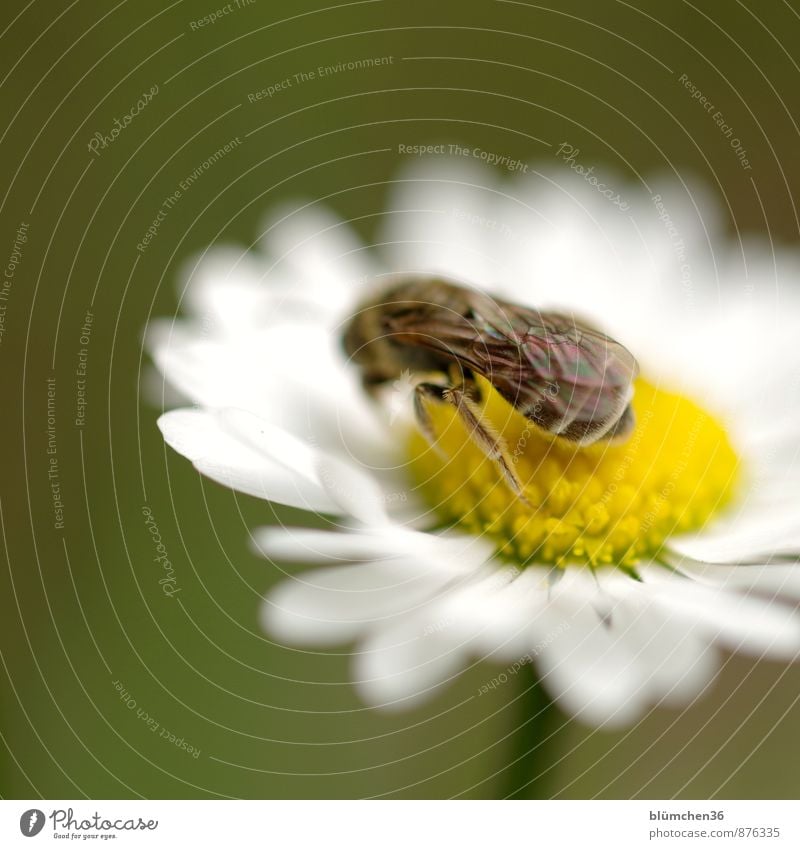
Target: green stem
<point x="534" y="743"/>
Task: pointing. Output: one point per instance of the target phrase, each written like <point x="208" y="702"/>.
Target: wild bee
<point x="567" y="378"/>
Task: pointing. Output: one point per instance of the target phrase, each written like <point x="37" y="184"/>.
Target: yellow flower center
<point x="604" y="504"/>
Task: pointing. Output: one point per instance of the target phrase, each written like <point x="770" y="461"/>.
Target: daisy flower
<point x="629" y="567"/>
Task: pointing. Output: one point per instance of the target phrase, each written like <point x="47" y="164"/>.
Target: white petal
<point x="754" y="531"/>
<point x="226" y="289"/>
<point x="768" y="579"/>
<point x="238" y="450"/>
<point x="506" y="606"/>
<point x="743" y="623"/>
<point x="290" y="376"/>
<point x="329" y="265"/>
<point x="165" y="333"/>
<point x="587" y="667"/>
<point x="307" y="545"/>
<point x="674" y="662"/>
<point x="357" y="493"/>
<point x="401" y="666"/>
<point x="339" y="603"/>
<point x="443" y="221"/>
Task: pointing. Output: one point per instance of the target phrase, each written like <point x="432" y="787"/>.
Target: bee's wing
<point x="567" y="377"/>
<point x="590" y="378"/>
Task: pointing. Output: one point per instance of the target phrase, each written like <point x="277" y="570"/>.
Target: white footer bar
<point x="401" y="824"/>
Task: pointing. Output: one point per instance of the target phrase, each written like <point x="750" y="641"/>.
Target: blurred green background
<point x="81" y="606"/>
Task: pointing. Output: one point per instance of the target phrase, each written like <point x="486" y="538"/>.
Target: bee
<point x="564" y="376"/>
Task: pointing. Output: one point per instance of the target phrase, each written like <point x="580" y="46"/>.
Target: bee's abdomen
<point x="583" y="420"/>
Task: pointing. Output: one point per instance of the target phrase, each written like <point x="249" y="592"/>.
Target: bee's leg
<point x="424" y="392"/>
<point x="484" y="435"/>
